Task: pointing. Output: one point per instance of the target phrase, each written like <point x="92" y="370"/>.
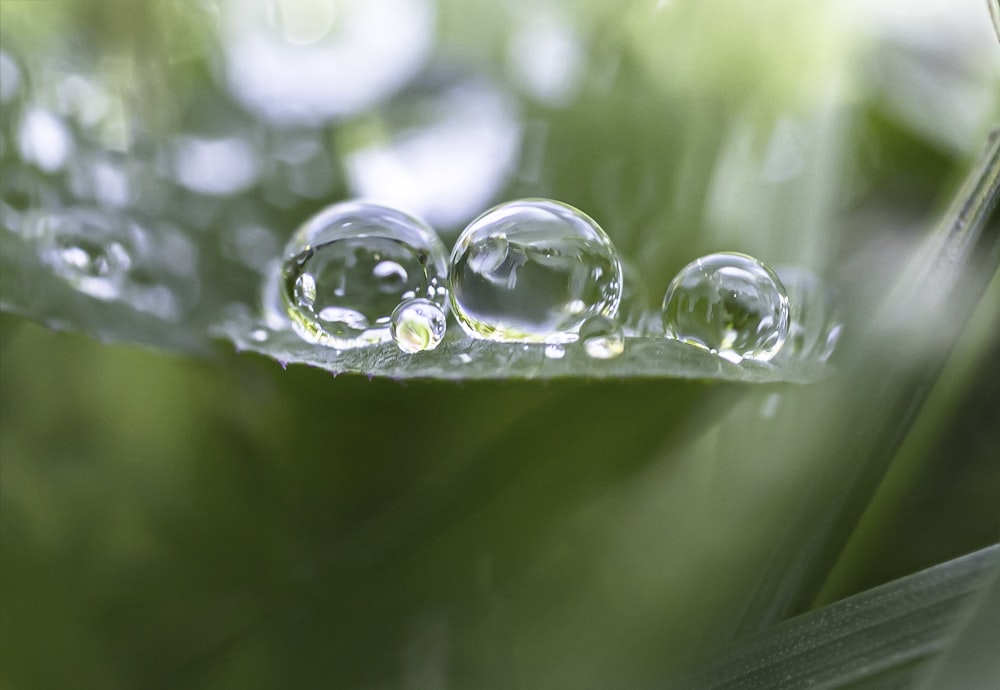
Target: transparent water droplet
<point x="258" y="335"/>
<point x="533" y="270"/>
<point x="814" y="325"/>
<point x="418" y="325"/>
<point x="602" y="337"/>
<point x="729" y="303"/>
<point x="555" y="351"/>
<point x="84" y="249"/>
<point x="349" y="267"/>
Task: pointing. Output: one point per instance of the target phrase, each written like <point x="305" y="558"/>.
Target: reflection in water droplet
<point x="728" y="303"/>
<point x="441" y="149"/>
<point x="418" y="325"/>
<point x="350" y="266"/>
<point x="285" y="75"/>
<point x="554" y="351"/>
<point x="533" y="270"/>
<point x="602" y="337"/>
<point x="45" y="140"/>
<point x="814" y="324"/>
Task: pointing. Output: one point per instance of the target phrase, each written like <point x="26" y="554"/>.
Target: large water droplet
<point x="350" y="266"/>
<point x="418" y="325"/>
<point x="533" y="270"/>
<point x="729" y="303"/>
<point x="814" y="322"/>
<point x="602" y="337"/>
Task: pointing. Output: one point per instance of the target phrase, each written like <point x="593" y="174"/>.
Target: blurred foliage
<point x="225" y="522"/>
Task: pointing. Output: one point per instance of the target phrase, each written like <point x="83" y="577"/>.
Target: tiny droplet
<point x="602" y="338"/>
<point x="418" y="325"/>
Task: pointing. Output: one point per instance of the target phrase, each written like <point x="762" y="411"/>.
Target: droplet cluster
<point x="534" y="271"/>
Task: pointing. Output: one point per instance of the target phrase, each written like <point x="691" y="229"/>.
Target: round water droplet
<point x="85" y="249"/>
<point x="350" y="266"/>
<point x="602" y="337"/>
<point x="555" y="351"/>
<point x="814" y="325"/>
<point x="418" y="325"/>
<point x="533" y="270"/>
<point x="728" y="303"/>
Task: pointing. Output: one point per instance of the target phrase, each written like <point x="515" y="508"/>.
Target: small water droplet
<point x="418" y="325"/>
<point x="258" y="335"/>
<point x="729" y="303"/>
<point x="555" y="351"/>
<point x="351" y="265"/>
<point x="814" y="322"/>
<point x="533" y="270"/>
<point x="84" y="249"/>
<point x="602" y="337"/>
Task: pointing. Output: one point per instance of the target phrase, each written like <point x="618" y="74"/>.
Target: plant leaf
<point x="880" y="638"/>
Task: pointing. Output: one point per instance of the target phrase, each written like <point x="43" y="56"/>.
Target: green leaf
<point x="461" y="357"/>
<point x="885" y="637"/>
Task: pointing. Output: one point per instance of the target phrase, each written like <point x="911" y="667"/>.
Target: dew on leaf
<point x="602" y="337"/>
<point x="730" y="304"/>
<point x="533" y="270"/>
<point x="349" y="267"/>
<point x="418" y="325"/>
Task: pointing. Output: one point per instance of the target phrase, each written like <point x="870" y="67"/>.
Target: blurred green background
<point x="224" y="522"/>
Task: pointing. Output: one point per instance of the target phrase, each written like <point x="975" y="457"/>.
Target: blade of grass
<point x="879" y="638"/>
<point x="888" y="376"/>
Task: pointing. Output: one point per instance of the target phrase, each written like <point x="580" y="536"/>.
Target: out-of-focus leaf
<point x="882" y="638"/>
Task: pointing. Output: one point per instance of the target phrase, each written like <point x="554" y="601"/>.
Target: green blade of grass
<point x="880" y="638"/>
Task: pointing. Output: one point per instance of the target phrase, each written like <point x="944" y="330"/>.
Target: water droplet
<point x="114" y="257"/>
<point x="350" y="266"/>
<point x="258" y="335"/>
<point x="602" y="337"/>
<point x="533" y="270"/>
<point x="418" y="325"/>
<point x="83" y="249"/>
<point x="814" y="323"/>
<point x="554" y="351"/>
<point x="729" y="303"/>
